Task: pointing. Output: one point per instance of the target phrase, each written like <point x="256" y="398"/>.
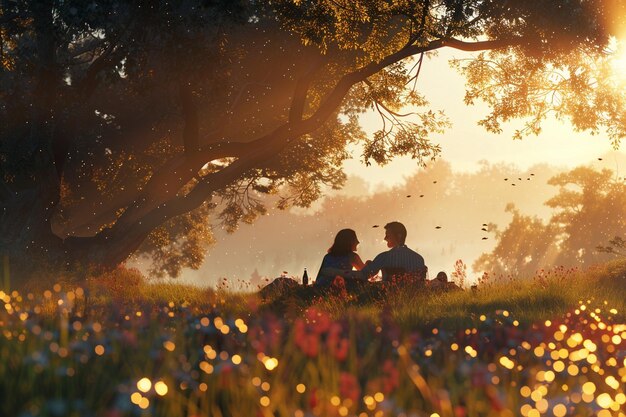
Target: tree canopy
<point x="132" y="127"/>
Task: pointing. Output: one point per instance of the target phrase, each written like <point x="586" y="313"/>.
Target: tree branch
<point x="111" y="55"/>
<point x="149" y="212"/>
<point x="87" y="85"/>
<point x="300" y="93"/>
<point x="422" y="24"/>
<point x="164" y="185"/>
<point x="191" y="138"/>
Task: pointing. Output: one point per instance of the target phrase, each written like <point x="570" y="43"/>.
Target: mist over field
<point x="458" y="202"/>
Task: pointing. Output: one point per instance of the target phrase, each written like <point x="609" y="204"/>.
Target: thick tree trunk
<point x="36" y="254"/>
<point x="26" y="238"/>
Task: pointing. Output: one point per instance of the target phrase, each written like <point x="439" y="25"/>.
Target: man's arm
<point x="372" y="268"/>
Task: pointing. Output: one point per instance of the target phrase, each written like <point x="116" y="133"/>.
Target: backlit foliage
<point x="588" y="212"/>
<point x="180" y="243"/>
<point x="584" y="90"/>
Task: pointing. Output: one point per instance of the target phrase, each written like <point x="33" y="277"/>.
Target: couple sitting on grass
<point x="399" y="262"/>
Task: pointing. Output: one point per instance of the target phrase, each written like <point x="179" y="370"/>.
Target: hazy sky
<point x="465" y="144"/>
<point x="292" y="241"/>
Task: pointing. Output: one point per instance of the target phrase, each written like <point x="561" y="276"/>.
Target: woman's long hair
<point x="343" y="242"/>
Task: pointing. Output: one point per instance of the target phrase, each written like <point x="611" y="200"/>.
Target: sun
<point x="617" y="56"/>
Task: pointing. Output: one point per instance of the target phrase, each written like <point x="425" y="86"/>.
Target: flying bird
<point x="421" y="195"/>
<point x="376" y="225"/>
<point x="434" y="182"/>
<point x="484" y="238"/>
<point x="506" y="179"/>
<point x="485" y="224"/>
<point x="408" y="196"/>
<point x="532" y="175"/>
<point x="484" y="229"/>
<point x="599" y="159"/>
<point x="513" y="184"/>
<point x="437" y="227"/>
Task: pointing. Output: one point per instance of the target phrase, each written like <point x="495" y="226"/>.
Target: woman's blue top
<point x="343" y="262"/>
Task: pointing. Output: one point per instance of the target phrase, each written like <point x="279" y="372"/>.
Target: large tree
<point x="589" y="212"/>
<point x="132" y="126"/>
<point x="522" y="248"/>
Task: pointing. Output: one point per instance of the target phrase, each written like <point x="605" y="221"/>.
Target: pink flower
<point x="349" y="387"/>
<point x="460" y="411"/>
<point x="337" y="345"/>
<point x="226" y="380"/>
<point x="305" y="339"/>
<point x="311" y="345"/>
<point x="299" y="329"/>
<point x="494" y="399"/>
<point x="479" y="377"/>
<point x="339" y="288"/>
<point x="267" y="337"/>
<point x="313" y="401"/>
<point x="391" y="379"/>
<point x="129" y="338"/>
<point x="319" y="321"/>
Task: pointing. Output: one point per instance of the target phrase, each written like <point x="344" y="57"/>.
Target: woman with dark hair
<point x="341" y="258"/>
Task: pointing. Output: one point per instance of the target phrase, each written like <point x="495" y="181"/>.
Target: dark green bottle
<point x="305" y="278"/>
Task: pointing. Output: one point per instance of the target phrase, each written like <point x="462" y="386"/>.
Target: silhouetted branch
<point x="191" y="138"/>
<point x="148" y="212"/>
<point x="615" y="247"/>
<point x="300" y="93"/>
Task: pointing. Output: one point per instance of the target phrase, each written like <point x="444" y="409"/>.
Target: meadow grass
<point x="533" y="299"/>
<point x="118" y="346"/>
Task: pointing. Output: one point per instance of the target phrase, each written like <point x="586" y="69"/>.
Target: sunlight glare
<point x="617" y="50"/>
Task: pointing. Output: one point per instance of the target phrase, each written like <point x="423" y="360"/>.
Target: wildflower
<point x="266" y="337"/>
<point x="338" y="346"/>
<point x="349" y="387"/>
<point x="307" y="341"/>
<point x="479" y="376"/>
<point x="319" y="321"/>
<point x="307" y="334"/>
<point x="313" y="400"/>
<point x="129" y="338"/>
<point x="494" y="399"/>
<point x="338" y="287"/>
<point x="414" y="339"/>
<point x="225" y="372"/>
<point x="391" y="378"/>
